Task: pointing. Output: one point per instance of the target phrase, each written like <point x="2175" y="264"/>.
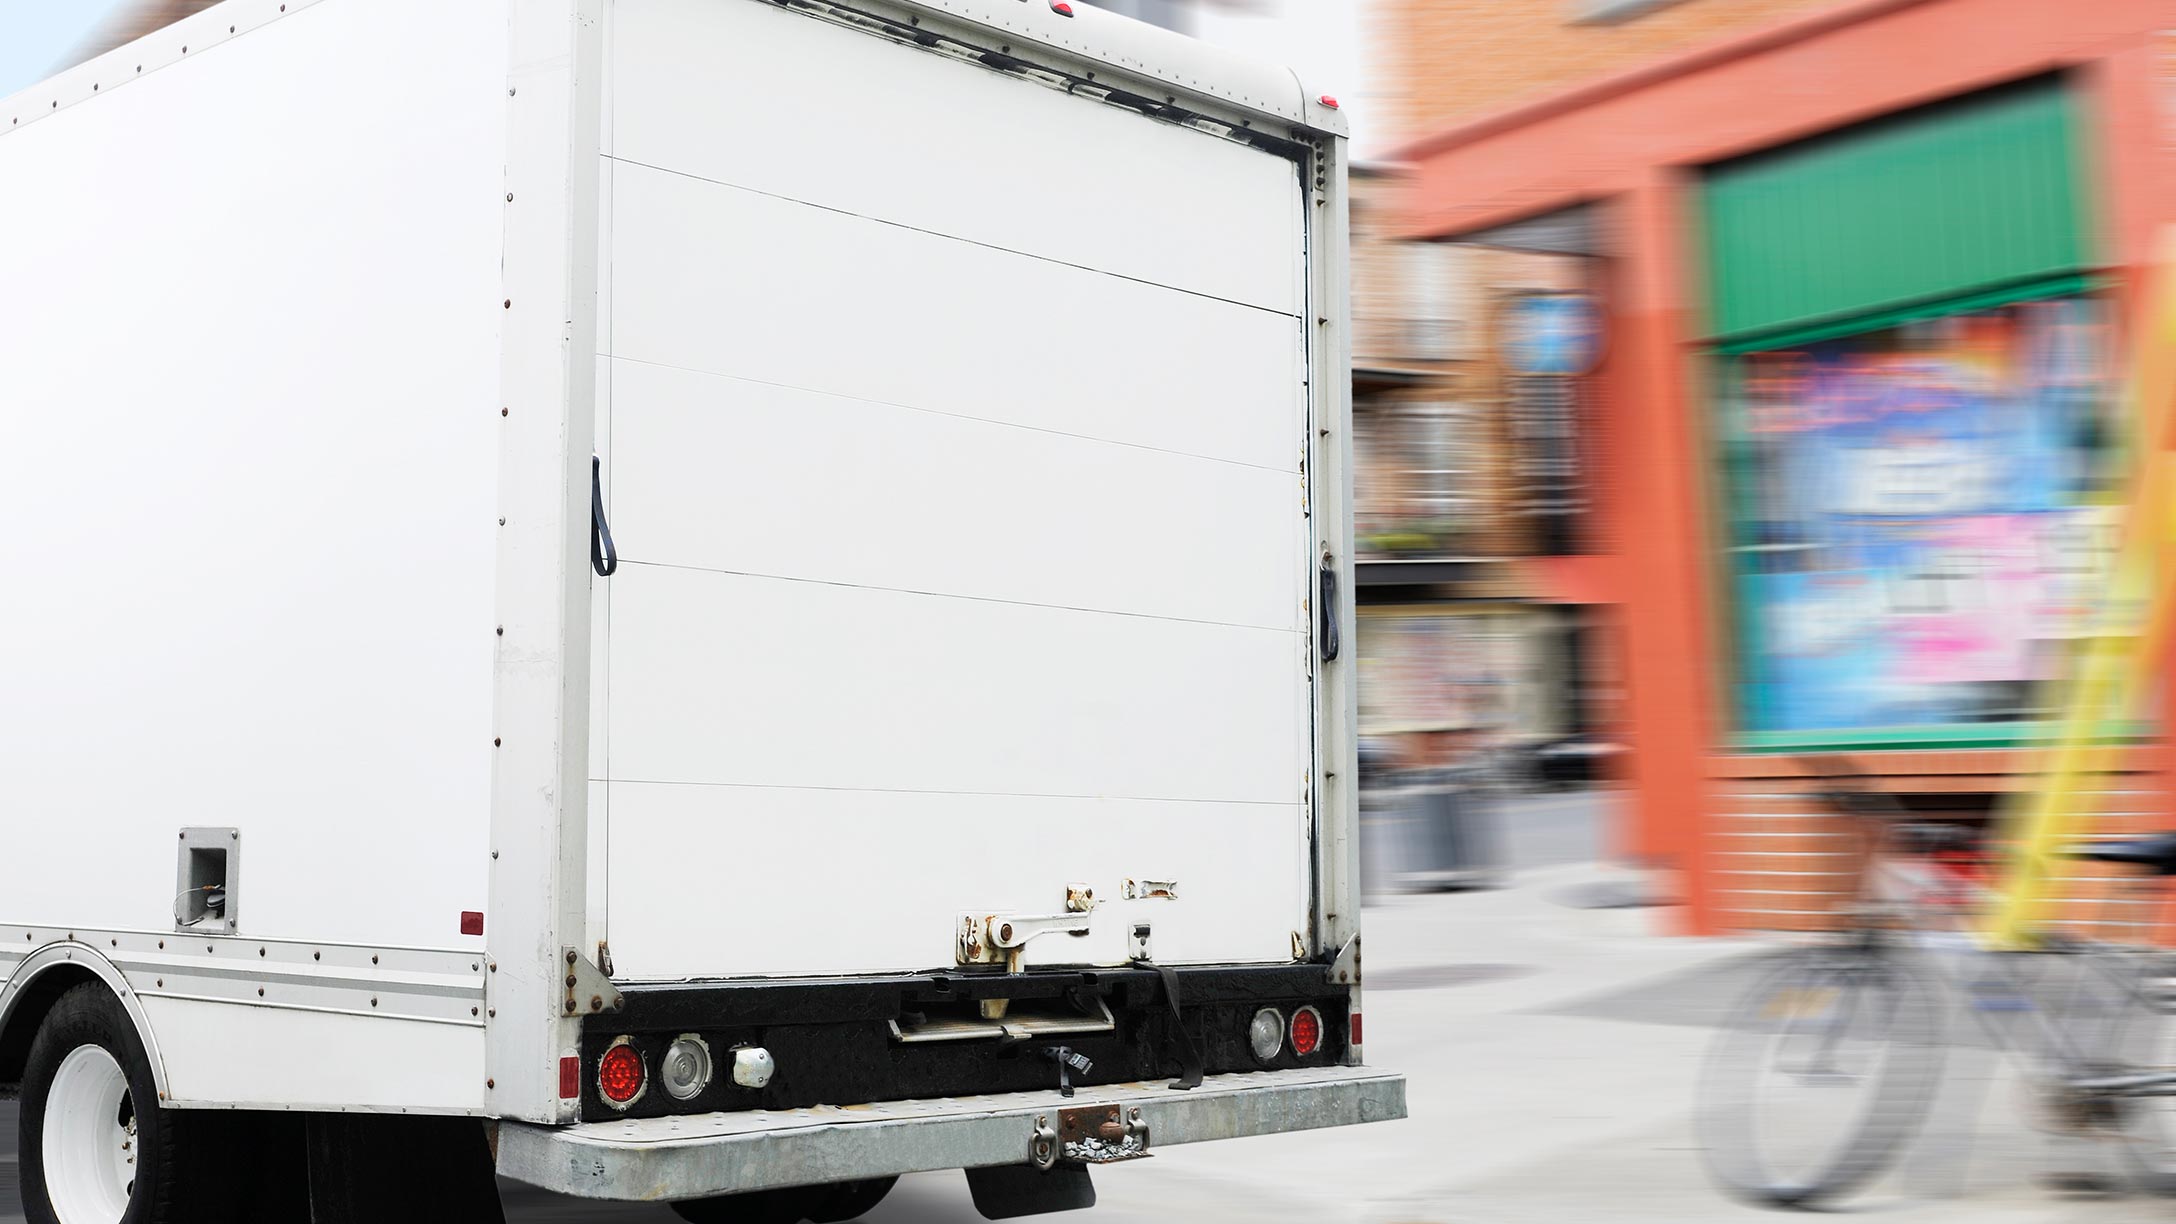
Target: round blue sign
<point x="1554" y="333"/>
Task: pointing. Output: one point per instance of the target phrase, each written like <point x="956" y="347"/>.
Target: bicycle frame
<point x="1934" y="907"/>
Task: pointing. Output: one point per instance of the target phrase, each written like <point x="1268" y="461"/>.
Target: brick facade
<point x="1786" y="861"/>
<point x="1428" y="324"/>
<point x="1457" y="59"/>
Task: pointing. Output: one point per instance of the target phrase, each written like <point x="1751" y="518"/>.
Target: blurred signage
<point x="1447" y="672"/>
<point x="1922" y="536"/>
<point x="1554" y="333"/>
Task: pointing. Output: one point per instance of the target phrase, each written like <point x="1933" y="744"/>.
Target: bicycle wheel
<point x="1821" y="1077"/>
<point x="2145" y="1047"/>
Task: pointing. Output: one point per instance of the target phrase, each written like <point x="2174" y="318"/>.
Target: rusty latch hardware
<point x="1151" y="890"/>
<point x="588" y="989"/>
<point x="1079" y="898"/>
<point x="988" y="939"/>
<point x="1101" y="1134"/>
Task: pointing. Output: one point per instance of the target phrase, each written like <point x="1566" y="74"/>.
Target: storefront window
<point x="1915" y="521"/>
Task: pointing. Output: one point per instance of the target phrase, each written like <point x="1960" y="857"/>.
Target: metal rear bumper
<point x="656" y="1159"/>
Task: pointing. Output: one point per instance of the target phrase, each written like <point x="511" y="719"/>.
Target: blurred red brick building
<point x="1857" y="275"/>
<point x="1454" y="61"/>
<point x="1459" y="659"/>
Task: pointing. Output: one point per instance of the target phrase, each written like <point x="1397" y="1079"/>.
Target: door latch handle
<point x="993" y="938"/>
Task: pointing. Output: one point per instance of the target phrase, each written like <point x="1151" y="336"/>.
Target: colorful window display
<point x="1917" y="526"/>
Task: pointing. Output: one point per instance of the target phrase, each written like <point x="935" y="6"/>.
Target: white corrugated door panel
<point x="959" y="502"/>
<point x="774" y="101"/>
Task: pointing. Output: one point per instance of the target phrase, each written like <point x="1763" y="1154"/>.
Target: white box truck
<point x="696" y="600"/>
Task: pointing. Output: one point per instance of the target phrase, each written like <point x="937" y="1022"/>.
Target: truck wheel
<point x="850" y="1200"/>
<point x="96" y="1146"/>
<point x="753" y="1207"/>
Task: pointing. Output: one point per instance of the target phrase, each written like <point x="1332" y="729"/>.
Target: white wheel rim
<point x="89" y="1142"/>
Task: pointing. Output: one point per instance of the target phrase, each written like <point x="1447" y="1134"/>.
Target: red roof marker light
<point x="1328" y="101"/>
<point x="1061" y="8"/>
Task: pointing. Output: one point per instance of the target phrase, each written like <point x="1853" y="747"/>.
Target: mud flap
<point x="1007" y="1191"/>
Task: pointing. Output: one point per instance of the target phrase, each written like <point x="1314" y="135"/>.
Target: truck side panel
<point x="251" y="360"/>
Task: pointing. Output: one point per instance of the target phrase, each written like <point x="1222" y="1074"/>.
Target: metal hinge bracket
<point x="1344" y="968"/>
<point x="588" y="990"/>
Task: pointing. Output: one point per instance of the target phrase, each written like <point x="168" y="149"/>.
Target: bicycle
<point x="1857" y="1024"/>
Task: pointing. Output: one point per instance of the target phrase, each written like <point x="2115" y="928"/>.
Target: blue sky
<point x="35" y="34"/>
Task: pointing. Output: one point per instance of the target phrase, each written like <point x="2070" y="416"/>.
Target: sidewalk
<point x="1551" y="1054"/>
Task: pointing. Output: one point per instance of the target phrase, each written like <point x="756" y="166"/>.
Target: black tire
<point x="1854" y="1033"/>
<point x="181" y="1174"/>
<point x="755" y="1207"/>
<point x="850" y="1200"/>
<point x="832" y="1204"/>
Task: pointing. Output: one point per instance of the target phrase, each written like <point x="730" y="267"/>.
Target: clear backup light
<point x="685" y="1070"/>
<point x="1265" y="1034"/>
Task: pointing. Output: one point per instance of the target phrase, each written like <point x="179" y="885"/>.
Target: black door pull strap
<point x="603" y="557"/>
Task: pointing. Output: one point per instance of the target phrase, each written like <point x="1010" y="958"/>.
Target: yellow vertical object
<point x="2111" y="675"/>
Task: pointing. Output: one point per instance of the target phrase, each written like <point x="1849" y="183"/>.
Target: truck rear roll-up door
<point x="955" y="460"/>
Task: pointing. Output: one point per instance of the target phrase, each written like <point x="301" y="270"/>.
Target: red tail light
<point x="621" y="1075"/>
<point x="1306" y="1031"/>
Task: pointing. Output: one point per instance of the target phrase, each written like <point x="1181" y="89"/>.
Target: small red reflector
<point x="1306" y="1031"/>
<point x="620" y="1074"/>
<point x="1328" y="101"/>
<point x="570" y="1078"/>
<point x="1061" y="8"/>
<point x="472" y="923"/>
<point x="1355" y="1027"/>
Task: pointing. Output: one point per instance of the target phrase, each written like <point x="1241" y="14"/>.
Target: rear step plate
<point x="657" y="1159"/>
